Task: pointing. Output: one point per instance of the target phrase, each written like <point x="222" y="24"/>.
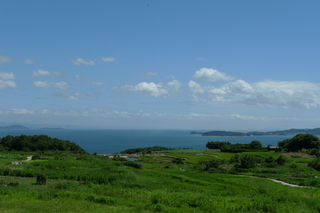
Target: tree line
<point x="145" y="150"/>
<point x="238" y="147"/>
<point x="37" y="143"/>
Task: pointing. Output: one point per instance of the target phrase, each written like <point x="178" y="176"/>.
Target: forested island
<point x="315" y="131"/>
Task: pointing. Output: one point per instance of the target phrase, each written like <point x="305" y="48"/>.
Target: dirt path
<point x="287" y="184"/>
<point x="279" y="181"/>
<point x="28" y="158"/>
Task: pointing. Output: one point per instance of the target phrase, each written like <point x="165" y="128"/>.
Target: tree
<point x="216" y="144"/>
<point x="300" y="141"/>
<point x="41" y="179"/>
<point x="256" y="145"/>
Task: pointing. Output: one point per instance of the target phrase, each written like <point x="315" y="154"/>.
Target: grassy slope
<point x="177" y="188"/>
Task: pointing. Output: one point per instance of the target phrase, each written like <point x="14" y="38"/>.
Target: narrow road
<point x="28" y="158"/>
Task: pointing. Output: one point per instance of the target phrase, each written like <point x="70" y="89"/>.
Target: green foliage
<point x="315" y="164"/>
<point x="178" y="161"/>
<point x="41" y="179"/>
<point x="144" y="150"/>
<point x="281" y="160"/>
<point x="38" y="143"/>
<point x="133" y="164"/>
<point x="216" y="144"/>
<point x="97" y="184"/>
<point x="36" y="157"/>
<point x="235" y="148"/>
<point x="299" y="142"/>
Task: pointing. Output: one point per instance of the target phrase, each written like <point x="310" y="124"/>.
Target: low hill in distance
<point x="315" y="131"/>
<point x="13" y="127"/>
<point x="21" y="127"/>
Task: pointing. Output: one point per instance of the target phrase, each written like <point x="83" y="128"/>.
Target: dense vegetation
<point x="184" y="180"/>
<point x="145" y="150"/>
<point x="37" y="143"/>
<point x="238" y="147"/>
<point x="299" y="142"/>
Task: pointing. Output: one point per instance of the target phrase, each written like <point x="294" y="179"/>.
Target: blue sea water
<point x="115" y="141"/>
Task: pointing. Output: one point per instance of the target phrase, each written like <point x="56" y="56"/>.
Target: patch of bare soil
<point x="303" y="155"/>
<point x="207" y="154"/>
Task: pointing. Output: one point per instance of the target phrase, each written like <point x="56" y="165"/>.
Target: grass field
<point x="98" y="184"/>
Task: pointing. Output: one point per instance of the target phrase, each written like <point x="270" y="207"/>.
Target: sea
<point x="115" y="141"/>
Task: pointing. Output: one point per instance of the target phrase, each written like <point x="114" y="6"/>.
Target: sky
<point x="147" y="64"/>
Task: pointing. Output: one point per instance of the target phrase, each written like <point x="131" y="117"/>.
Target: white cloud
<point x="108" y="59"/>
<point x="212" y="75"/>
<point x="174" y="85"/>
<point x="151" y="73"/>
<point x="49" y="85"/>
<point x="72" y="97"/>
<point x="149" y="89"/>
<point x="77" y="76"/>
<point x="29" y="61"/>
<point x="285" y="94"/>
<point x="98" y="83"/>
<point x="201" y="59"/>
<point x="7" y="84"/>
<point x="7" y="75"/>
<point x="45" y="73"/>
<point x="194" y="87"/>
<point x="80" y="61"/>
<point x="5" y="59"/>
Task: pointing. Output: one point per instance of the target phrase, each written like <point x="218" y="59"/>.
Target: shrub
<point x="178" y="161"/>
<point x="35" y="157"/>
<point x="315" y="164"/>
<point x="133" y="164"/>
<point x="41" y="179"/>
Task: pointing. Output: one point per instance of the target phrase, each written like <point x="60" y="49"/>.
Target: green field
<point x="91" y="183"/>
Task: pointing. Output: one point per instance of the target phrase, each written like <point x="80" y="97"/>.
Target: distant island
<point x="13" y="127"/>
<point x="20" y="127"/>
<point x="315" y="131"/>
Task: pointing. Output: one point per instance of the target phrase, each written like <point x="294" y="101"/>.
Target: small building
<point x="272" y="148"/>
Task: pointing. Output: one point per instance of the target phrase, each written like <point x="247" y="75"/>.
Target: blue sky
<point x="213" y="65"/>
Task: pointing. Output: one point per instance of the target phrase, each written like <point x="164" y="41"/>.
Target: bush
<point x="41" y="179"/>
<point x="35" y="157"/>
<point x="315" y="164"/>
<point x="133" y="164"/>
<point x="178" y="161"/>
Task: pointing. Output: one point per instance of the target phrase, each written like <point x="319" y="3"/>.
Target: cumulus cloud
<point x="149" y="89"/>
<point x="7" y="75"/>
<point x="45" y="73"/>
<point x="29" y="61"/>
<point x="77" y="76"/>
<point x="98" y="83"/>
<point x="108" y="59"/>
<point x="174" y="85"/>
<point x="285" y="94"/>
<point x="207" y="74"/>
<point x="5" y="59"/>
<point x="51" y="85"/>
<point x="7" y="84"/>
<point x="80" y="61"/>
